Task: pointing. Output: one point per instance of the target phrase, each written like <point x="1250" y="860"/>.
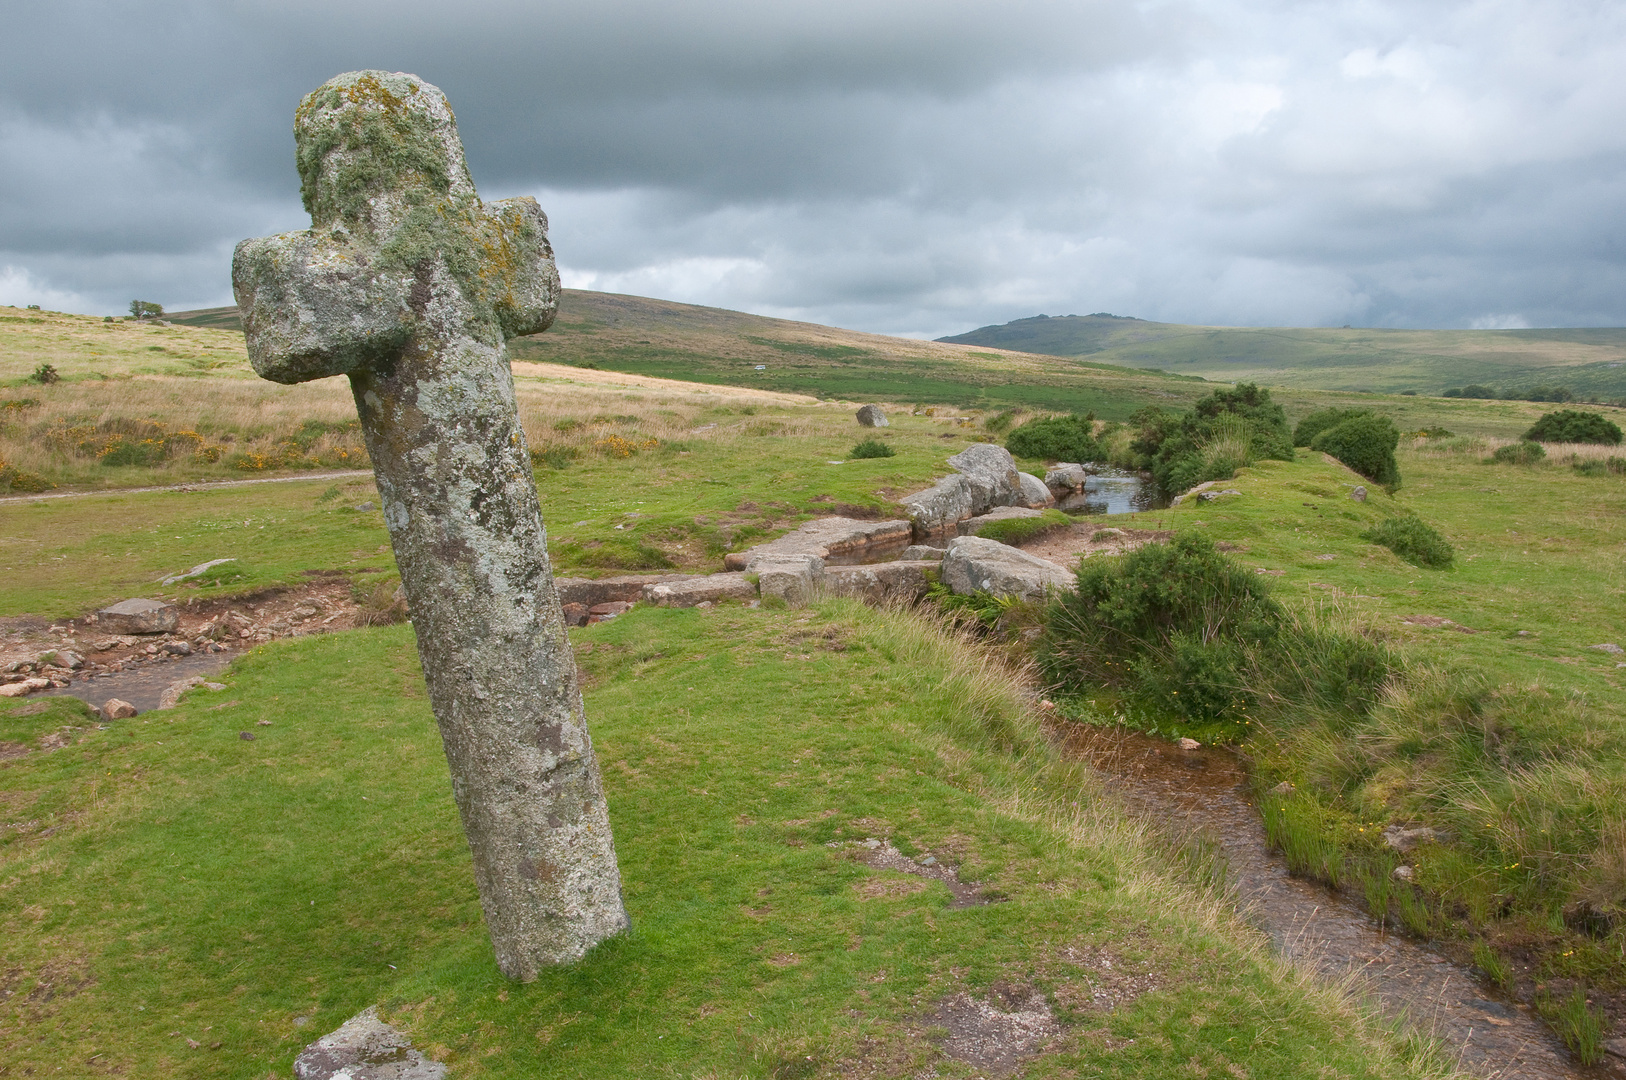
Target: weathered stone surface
<point x="791" y="578"/>
<point x="138" y="617"/>
<point x="923" y="551"/>
<point x="905" y="579"/>
<point x="992" y="471"/>
<point x="969" y="526"/>
<point x="365" y="1048"/>
<point x="117" y="709"/>
<point x="1034" y="491"/>
<point x="172" y="693"/>
<point x="24" y="688"/>
<point x="410" y="285"/>
<point x="1404" y="840"/>
<point x="574" y="614"/>
<point x="693" y="592"/>
<point x="934" y="511"/>
<point x="832" y="538"/>
<point x="974" y="564"/>
<point x="197" y="571"/>
<point x="1358" y="493"/>
<point x="602" y="612"/>
<point x="62" y="658"/>
<point x="1066" y="477"/>
<point x="1608" y="647"/>
<point x="872" y="416"/>
<point x="628" y="588"/>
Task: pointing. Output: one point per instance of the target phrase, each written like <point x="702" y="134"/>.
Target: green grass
<point x="1017" y="530"/>
<point x="168" y="881"/>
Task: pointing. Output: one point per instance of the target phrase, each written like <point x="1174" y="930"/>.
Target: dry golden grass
<point x="86" y="347"/>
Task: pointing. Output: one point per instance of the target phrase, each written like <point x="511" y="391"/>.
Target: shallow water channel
<point x="1205" y="792"/>
<point x="141" y="686"/>
<point x="1114" y="491"/>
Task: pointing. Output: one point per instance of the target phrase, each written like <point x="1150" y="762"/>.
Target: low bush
<point x="1366" y="443"/>
<point x="1413" y="540"/>
<point x="13" y="479"/>
<point x="1056" y="438"/>
<point x="1223" y="432"/>
<point x="1519" y="453"/>
<point x="872" y="448"/>
<point x="555" y="457"/>
<point x="1612" y="466"/>
<point x="1574" y="426"/>
<point x="1016" y="530"/>
<point x="1321" y="420"/>
<point x="1181" y="627"/>
<point x="45" y="374"/>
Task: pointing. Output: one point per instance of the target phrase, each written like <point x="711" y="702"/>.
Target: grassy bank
<point x="182" y="902"/>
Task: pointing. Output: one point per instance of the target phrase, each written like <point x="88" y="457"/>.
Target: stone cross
<point x="409" y="285"/>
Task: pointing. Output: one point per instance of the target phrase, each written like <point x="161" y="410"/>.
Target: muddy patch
<point x="881" y="855"/>
<point x="998" y="1034"/>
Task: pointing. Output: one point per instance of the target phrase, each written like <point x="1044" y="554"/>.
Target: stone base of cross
<point x="409" y="285"/>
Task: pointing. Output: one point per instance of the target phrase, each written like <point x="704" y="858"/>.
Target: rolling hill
<point x="1590" y="362"/>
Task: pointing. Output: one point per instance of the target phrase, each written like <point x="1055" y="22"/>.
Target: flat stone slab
<point x="624" y="588"/>
<point x="138" y="617"/>
<point x="365" y="1048"/>
<point x="700" y="590"/>
<point x="832" y="538"/>
<point x="906" y="579"/>
<point x="969" y="526"/>
<point x="974" y="564"/>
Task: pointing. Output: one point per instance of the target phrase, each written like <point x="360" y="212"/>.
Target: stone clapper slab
<point x="626" y="588"/>
<point x="905" y="579"/>
<point x="138" y="617"/>
<point x="695" y="591"/>
<point x="974" y="564"/>
<point x="970" y="525"/>
<point x="829" y="538"/>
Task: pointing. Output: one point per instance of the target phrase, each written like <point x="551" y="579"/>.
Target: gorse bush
<point x="1223" y="432"/>
<point x="1321" y="420"/>
<point x="1413" y="540"/>
<point x="1182" y="628"/>
<point x="1519" y="453"/>
<point x="872" y="448"/>
<point x="1366" y="443"/>
<point x="1573" y="425"/>
<point x="1056" y="438"/>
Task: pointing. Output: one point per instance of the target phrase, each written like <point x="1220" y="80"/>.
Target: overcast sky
<point x="905" y="167"/>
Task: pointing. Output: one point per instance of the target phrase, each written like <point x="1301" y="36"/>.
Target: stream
<point x="1205" y="792"/>
<point x="1114" y="491"/>
<point x="143" y="685"/>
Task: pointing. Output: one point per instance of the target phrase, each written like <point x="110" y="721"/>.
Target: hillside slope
<point x="1591" y="362"/>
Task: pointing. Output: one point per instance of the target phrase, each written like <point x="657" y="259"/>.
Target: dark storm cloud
<point x="899" y="166"/>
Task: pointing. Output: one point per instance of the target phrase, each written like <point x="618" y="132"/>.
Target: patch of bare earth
<point x="882" y="855"/>
<point x="996" y="1034"/>
<point x="1086" y="539"/>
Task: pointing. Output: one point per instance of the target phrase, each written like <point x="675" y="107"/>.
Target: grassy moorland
<point x="1590" y="362"/>
<point x="180" y="901"/>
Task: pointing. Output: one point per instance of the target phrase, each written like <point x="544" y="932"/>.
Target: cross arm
<point x="313" y="306"/>
<point x="517" y="277"/>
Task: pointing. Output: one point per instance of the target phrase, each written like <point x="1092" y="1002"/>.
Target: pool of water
<point x="1205" y="792"/>
<point x="1115" y="491"/>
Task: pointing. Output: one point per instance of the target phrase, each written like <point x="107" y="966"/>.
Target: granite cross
<point x="409" y="285"/>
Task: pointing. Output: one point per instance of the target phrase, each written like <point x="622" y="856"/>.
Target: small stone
<point x="1403" y="839"/>
<point x="178" y="648"/>
<point x="139" y="617"/>
<point x="118" y="709"/>
<point x="366" y="507"/>
<point x="1358" y="493"/>
<point x="1608" y="647"/>
<point x="1521" y="633"/>
<point x="872" y="416"/>
<point x="1283" y="788"/>
<point x="929" y="860"/>
<point x="1047" y="704"/>
<point x="213" y="685"/>
<point x="1188" y="744"/>
<point x="871" y="843"/>
<point x="575" y="614"/>
<point x="610" y="610"/>
<point x="62" y="658"/>
<point x="1404" y="873"/>
<point x="246" y="736"/>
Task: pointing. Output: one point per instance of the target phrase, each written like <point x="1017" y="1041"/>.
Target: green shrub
<point x="1223" y="432"/>
<point x="45" y="374"/>
<point x="872" y="448"/>
<point x="1016" y="530"/>
<point x="1184" y="629"/>
<point x="1408" y="537"/>
<point x="1574" y="425"/>
<point x="555" y="457"/>
<point x="1366" y="443"/>
<point x="1321" y="420"/>
<point x="1519" y="453"/>
<point x="1056" y="438"/>
<point x="1610" y="466"/>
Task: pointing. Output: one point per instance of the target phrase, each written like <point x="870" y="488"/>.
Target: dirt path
<point x="202" y="486"/>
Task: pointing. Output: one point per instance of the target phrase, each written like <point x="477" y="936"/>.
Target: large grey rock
<point x="934" y="511"/>
<point x="138" y="617"/>
<point x="923" y="551"/>
<point x="1066" y="477"/>
<point x="365" y="1048"/>
<point x="970" y="525"/>
<point x="992" y="471"/>
<point x="974" y="564"/>
<point x="694" y="591"/>
<point x="1034" y="491"/>
<point x="832" y="538"/>
<point x="791" y="578"/>
<point x="903" y="580"/>
<point x="410" y="285"/>
<point x="872" y="416"/>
